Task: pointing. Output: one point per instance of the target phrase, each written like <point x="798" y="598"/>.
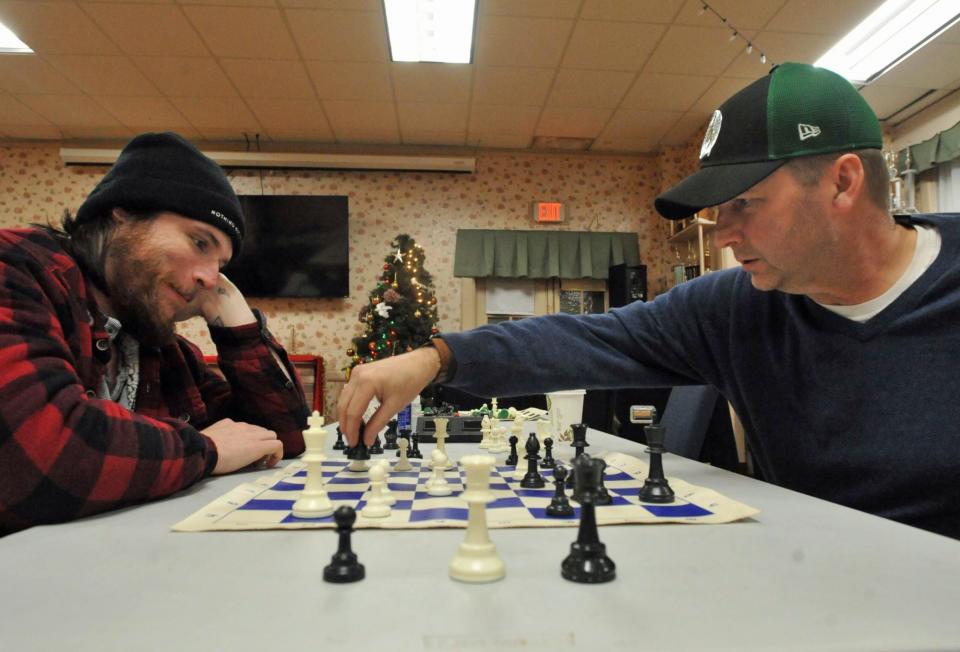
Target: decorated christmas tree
<point x="401" y="313"/>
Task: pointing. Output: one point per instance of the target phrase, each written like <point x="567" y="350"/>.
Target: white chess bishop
<point x="314" y="501"/>
<point x="477" y="559"/>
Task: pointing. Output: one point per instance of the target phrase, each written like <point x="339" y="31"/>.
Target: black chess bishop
<point x="532" y="478"/>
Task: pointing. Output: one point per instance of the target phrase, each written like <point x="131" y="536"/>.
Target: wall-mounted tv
<point x="295" y="246"/>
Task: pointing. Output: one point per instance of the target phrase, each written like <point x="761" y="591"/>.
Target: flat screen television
<point x="295" y="246"/>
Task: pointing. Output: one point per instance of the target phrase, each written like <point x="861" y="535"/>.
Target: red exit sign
<point x="548" y="211"/>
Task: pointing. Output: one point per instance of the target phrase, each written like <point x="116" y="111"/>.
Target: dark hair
<point x="87" y="241"/>
<point x="807" y="170"/>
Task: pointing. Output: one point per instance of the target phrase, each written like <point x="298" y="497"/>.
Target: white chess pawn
<point x="314" y="501"/>
<point x="438" y="485"/>
<point x="387" y="494"/>
<point x="403" y="464"/>
<point x="485" y="441"/>
<point x="477" y="559"/>
<point x="377" y="506"/>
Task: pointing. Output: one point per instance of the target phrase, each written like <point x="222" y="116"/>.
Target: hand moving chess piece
<point x="588" y="561"/>
<point x="314" y="502"/>
<point x="344" y="566"/>
<point x="476" y="559"/>
<point x="655" y="488"/>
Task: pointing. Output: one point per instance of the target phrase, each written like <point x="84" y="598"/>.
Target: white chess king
<point x="314" y="501"/>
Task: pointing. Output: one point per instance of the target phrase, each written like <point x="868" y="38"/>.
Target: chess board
<point x="267" y="502"/>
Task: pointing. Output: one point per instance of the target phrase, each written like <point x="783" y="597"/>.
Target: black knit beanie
<point x="165" y="172"/>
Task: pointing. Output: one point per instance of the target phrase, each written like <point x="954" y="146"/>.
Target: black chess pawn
<point x="339" y="445"/>
<point x="404" y="434"/>
<point x="376" y="449"/>
<point x="359" y="452"/>
<point x="344" y="566"/>
<point x="579" y="438"/>
<point x="559" y="505"/>
<point x="588" y="562"/>
<point x="512" y="458"/>
<point x="414" y="451"/>
<point x="548" y="462"/>
<point x="390" y="436"/>
<point x="655" y="488"/>
<point x="532" y="478"/>
<point x="603" y="496"/>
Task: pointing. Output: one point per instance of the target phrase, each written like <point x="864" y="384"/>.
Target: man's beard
<point x="133" y="279"/>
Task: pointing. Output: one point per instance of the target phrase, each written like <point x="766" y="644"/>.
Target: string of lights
<point x="735" y="33"/>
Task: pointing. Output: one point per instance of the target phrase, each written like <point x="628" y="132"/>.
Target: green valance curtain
<point x="482" y="253"/>
<point x="943" y="147"/>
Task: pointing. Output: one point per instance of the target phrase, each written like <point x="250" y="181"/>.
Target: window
<point x="582" y="296"/>
<point x="495" y="300"/>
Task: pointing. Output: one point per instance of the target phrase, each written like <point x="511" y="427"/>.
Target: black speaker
<point x="627" y="283"/>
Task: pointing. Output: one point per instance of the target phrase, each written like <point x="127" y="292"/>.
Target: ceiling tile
<point x="490" y="119"/>
<point x="348" y="80"/>
<point x="531" y="42"/>
<point x="572" y="123"/>
<point x="230" y="3"/>
<point x="353" y="5"/>
<point x="98" y="132"/>
<point x="598" y="89"/>
<point x="742" y="14"/>
<point x="243" y="32"/>
<point x="641" y="11"/>
<point x="807" y="16"/>
<point x="654" y="91"/>
<point x="507" y="85"/>
<point x="14" y="112"/>
<point x="530" y="8"/>
<point x="428" y="117"/>
<point x="363" y="122"/>
<point x="888" y="100"/>
<point x="418" y="137"/>
<point x="625" y="145"/>
<point x="292" y="119"/>
<point x="694" y="50"/>
<point x="431" y="82"/>
<point x="28" y="73"/>
<point x="718" y="93"/>
<point x="638" y="124"/>
<point x="145" y="113"/>
<point x="68" y="111"/>
<point x="266" y="79"/>
<point x="54" y="27"/>
<point x="512" y="141"/>
<point x="340" y="35"/>
<point x="611" y="46"/>
<point x="103" y="75"/>
<point x="216" y="117"/>
<point x="147" y="29"/>
<point x="689" y="126"/>
<point x="779" y="47"/>
<point x="186" y="76"/>
<point x="30" y="132"/>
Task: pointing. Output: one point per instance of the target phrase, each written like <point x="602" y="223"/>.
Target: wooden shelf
<point x="691" y="232"/>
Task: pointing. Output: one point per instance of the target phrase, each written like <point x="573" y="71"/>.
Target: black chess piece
<point x="588" y="562"/>
<point x="414" y="451"/>
<point x="579" y="438"/>
<point x="655" y="488"/>
<point x="603" y="496"/>
<point x="339" y="445"/>
<point x="532" y="478"/>
<point x="390" y="436"/>
<point x="344" y="566"/>
<point x="405" y="434"/>
<point x="512" y="458"/>
<point x="559" y="505"/>
<point x="376" y="449"/>
<point x="359" y="452"/>
<point x="548" y="462"/>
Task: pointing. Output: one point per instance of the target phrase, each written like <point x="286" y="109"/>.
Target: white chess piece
<point x="441" y="437"/>
<point x="403" y="464"/>
<point x="542" y="431"/>
<point x="314" y="501"/>
<point x="387" y="494"/>
<point x="477" y="559"/>
<point x="438" y="485"/>
<point x="377" y="506"/>
<point x="485" y="441"/>
<point x="358" y="466"/>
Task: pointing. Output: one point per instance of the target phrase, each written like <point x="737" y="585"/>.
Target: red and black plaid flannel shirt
<point x="65" y="453"/>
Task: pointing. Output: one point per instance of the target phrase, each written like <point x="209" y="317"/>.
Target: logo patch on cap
<point x="710" y="138"/>
<point x="807" y="131"/>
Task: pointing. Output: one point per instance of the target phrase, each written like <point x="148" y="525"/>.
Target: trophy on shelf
<point x="896" y="183"/>
<point x="909" y="185"/>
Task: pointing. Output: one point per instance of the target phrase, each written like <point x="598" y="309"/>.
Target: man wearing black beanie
<point x="102" y="405"/>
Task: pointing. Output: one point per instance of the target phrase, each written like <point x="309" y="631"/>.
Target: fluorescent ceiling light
<point x="893" y="32"/>
<point x="439" y="31"/>
<point x="9" y="41"/>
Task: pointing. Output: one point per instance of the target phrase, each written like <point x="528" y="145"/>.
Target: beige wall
<point x="605" y="193"/>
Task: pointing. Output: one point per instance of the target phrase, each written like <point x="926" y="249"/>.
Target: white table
<point x="803" y="575"/>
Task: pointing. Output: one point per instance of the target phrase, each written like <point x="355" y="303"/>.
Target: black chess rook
<point x="579" y="438"/>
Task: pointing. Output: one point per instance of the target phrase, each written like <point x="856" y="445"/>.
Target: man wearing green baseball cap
<point x="835" y="340"/>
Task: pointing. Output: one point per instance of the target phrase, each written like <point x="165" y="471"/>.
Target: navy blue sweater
<point x="865" y="415"/>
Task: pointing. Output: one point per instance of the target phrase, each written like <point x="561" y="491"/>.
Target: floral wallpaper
<point x="602" y="193"/>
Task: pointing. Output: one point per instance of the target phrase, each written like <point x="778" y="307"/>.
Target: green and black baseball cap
<point x="797" y="110"/>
